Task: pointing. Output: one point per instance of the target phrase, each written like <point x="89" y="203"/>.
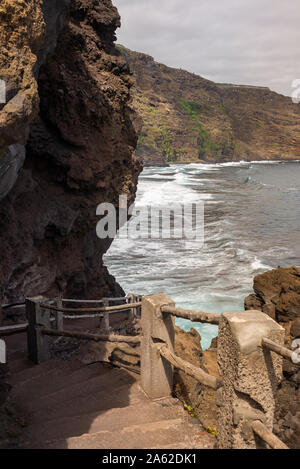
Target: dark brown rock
<point x="68" y="94"/>
<point x="79" y="154"/>
<point x="295" y="328"/>
<point x="277" y="293"/>
<point x="187" y="347"/>
<point x="252" y="302"/>
<point x="28" y="29"/>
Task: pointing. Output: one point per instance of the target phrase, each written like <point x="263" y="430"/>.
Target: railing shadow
<point x="67" y="399"/>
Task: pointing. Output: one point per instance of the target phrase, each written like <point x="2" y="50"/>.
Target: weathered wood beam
<point x="189" y="369"/>
<point x="13" y="305"/>
<point x="15" y="329"/>
<point x="91" y="310"/>
<point x="70" y="300"/>
<point x="279" y="349"/>
<point x="266" y="435"/>
<point x="194" y="316"/>
<point x="94" y="337"/>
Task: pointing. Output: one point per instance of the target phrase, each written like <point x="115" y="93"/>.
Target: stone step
<point x="17" y="361"/>
<point x="33" y="371"/>
<point x="16" y="343"/>
<point x="111" y="420"/>
<point x="71" y="405"/>
<point x="170" y="433"/>
<point x="16" y="355"/>
<point x="98" y="402"/>
<point x="86" y="383"/>
<point x="19" y="365"/>
<point x="52" y="380"/>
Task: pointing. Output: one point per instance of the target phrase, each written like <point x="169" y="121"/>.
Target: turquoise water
<point x="252" y="224"/>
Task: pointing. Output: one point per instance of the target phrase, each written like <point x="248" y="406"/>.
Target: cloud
<point x="235" y="41"/>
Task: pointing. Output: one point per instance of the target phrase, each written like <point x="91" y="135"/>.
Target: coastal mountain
<point x="67" y="141"/>
<point x="187" y="118"/>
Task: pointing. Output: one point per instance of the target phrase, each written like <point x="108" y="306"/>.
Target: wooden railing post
<point x="59" y="316"/>
<point x="139" y="308"/>
<point x="158" y="329"/>
<point x="104" y="321"/>
<point x="250" y="376"/>
<point x="38" y="318"/>
<point x="132" y="311"/>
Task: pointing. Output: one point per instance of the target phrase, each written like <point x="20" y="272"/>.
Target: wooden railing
<point x="195" y="316"/>
<point x="46" y="318"/>
<point x="250" y="352"/>
<point x="267" y="436"/>
<point x="13" y="329"/>
<point x="58" y="311"/>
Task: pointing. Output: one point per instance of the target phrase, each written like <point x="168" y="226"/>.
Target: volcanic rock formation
<point x="277" y="293"/>
<point x="67" y="138"/>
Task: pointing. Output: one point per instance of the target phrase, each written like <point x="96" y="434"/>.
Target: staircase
<point x="70" y="405"/>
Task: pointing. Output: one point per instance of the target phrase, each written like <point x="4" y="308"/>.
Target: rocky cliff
<point x="187" y="118"/>
<point x="277" y="293"/>
<point x="67" y="139"/>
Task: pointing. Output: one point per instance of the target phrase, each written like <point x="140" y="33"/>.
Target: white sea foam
<point x="257" y="264"/>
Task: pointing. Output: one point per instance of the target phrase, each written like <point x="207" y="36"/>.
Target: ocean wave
<point x="257" y="264"/>
<point x="250" y="180"/>
<point x="274" y="162"/>
<point x="247" y="231"/>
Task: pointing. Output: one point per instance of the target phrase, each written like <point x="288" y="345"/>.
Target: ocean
<point x="252" y="224"/>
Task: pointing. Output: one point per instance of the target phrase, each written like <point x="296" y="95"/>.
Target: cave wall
<point x="72" y="135"/>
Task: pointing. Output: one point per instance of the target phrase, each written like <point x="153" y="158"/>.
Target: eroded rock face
<point x="188" y="118"/>
<point x="28" y="32"/>
<point x="188" y="347"/>
<point x="79" y="151"/>
<point x="277" y="293"/>
<point x="22" y="30"/>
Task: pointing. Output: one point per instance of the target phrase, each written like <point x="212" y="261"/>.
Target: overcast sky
<point x="253" y="42"/>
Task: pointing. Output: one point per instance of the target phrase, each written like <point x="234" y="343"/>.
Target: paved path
<point x="70" y="405"/>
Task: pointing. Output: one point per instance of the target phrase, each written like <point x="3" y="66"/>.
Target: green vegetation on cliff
<point x="206" y="146"/>
<point x="166" y="143"/>
<point x="187" y="118"/>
